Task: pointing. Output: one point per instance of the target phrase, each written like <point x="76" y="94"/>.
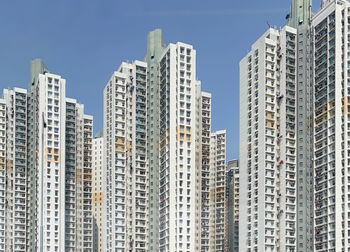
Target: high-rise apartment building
<point x="37" y="67"/>
<point x="268" y="102"/>
<point x="321" y="129"/>
<point x="232" y="206"/>
<point x="59" y="211"/>
<point x="331" y="27"/>
<point x="179" y="160"/>
<point x="78" y="176"/>
<point x="300" y="18"/>
<point x="126" y="188"/>
<point x="3" y="172"/>
<point x="97" y="191"/>
<point x="46" y="167"/>
<point x="13" y="155"/>
<point x="155" y="47"/>
<point x="162" y="190"/>
<point x="85" y="224"/>
<point x="206" y="218"/>
<point x="218" y="188"/>
<point x="213" y="180"/>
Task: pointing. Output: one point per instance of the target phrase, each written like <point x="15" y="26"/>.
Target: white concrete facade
<point x="331" y="29"/>
<point x="13" y="153"/>
<point x="78" y="177"/>
<point x="97" y="192"/>
<point x="59" y="213"/>
<point x="3" y="145"/>
<point x="206" y="233"/>
<point x="179" y="154"/>
<point x="51" y="162"/>
<point x="126" y="177"/>
<point x="268" y="143"/>
<point x="217" y="189"/>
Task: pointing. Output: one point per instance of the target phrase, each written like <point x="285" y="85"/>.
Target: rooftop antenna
<point x="268" y="24"/>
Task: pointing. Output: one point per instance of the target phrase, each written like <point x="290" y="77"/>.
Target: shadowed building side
<point x="300" y="18"/>
<point x="155" y="47"/>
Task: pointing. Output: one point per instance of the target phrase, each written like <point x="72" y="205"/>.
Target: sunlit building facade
<point x="268" y="143"/>
<point x="126" y="174"/>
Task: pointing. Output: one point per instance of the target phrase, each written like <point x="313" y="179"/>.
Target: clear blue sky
<point x="84" y="41"/>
